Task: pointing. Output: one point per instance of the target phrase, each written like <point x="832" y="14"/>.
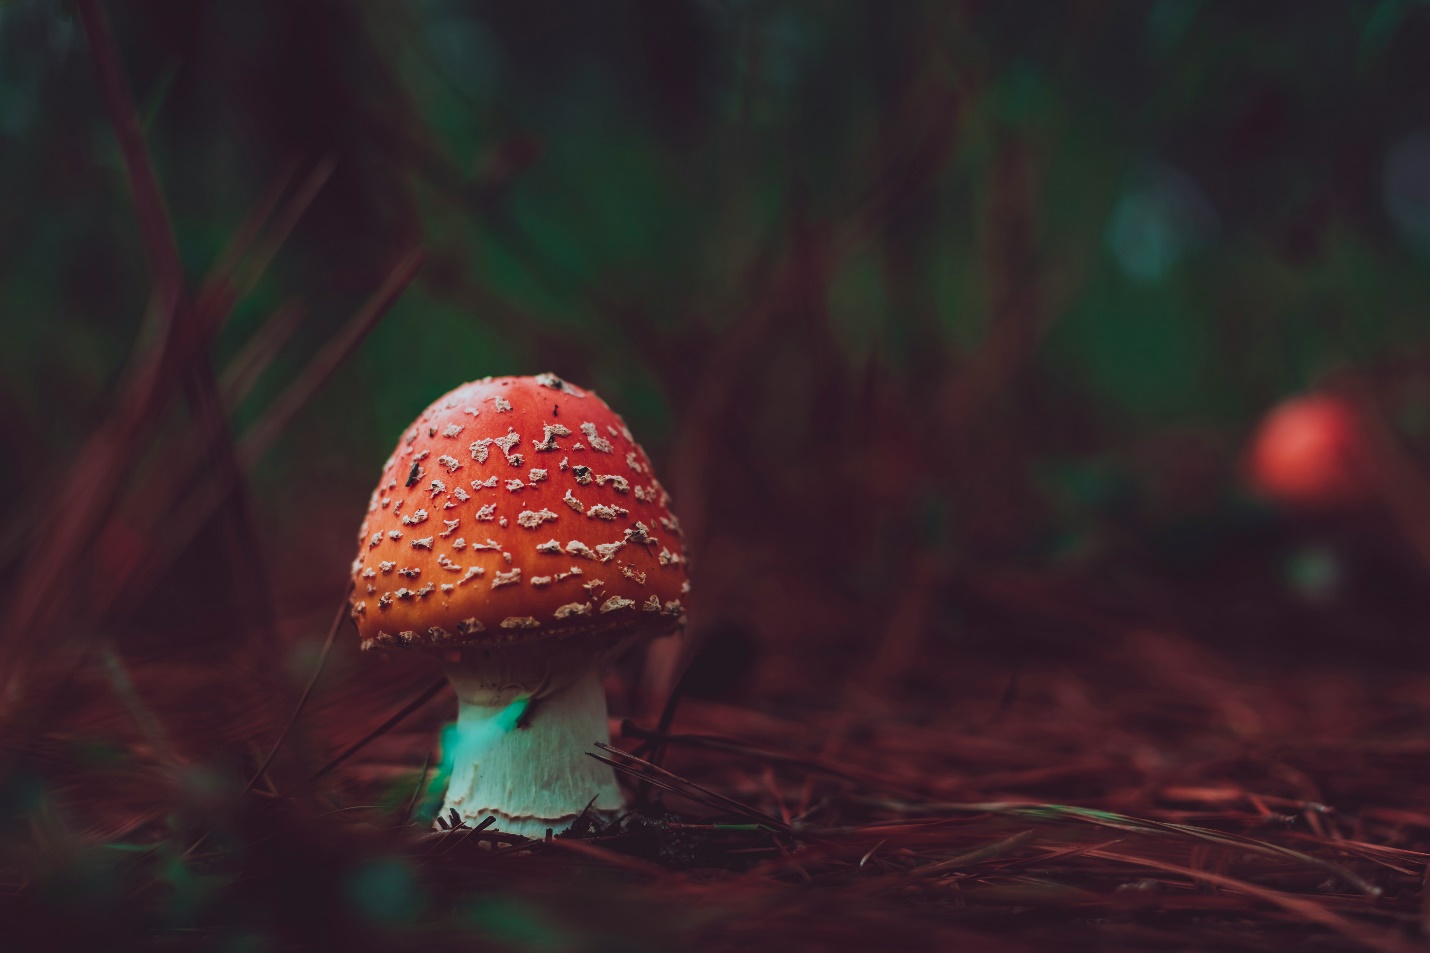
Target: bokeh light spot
<point x="1406" y="187"/>
<point x="385" y="891"/>
<point x="1159" y="218"/>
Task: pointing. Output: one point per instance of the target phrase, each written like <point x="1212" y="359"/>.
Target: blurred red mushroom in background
<point x="1312" y="452"/>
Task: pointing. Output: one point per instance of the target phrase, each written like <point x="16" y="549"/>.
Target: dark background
<point x="945" y="324"/>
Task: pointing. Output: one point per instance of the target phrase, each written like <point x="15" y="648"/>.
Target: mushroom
<point x="1312" y="452"/>
<point x="521" y="593"/>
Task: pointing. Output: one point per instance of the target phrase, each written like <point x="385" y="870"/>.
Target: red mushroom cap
<point x="516" y="509"/>
<point x="1311" y="451"/>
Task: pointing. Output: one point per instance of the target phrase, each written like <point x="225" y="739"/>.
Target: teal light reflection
<point x="464" y="740"/>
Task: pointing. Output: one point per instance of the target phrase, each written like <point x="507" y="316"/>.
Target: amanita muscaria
<point x="1312" y="452"/>
<point x="519" y="533"/>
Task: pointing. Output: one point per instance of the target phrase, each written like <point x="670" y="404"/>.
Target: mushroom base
<point x="523" y="759"/>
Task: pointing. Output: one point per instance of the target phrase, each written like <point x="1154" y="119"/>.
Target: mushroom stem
<point x="532" y="774"/>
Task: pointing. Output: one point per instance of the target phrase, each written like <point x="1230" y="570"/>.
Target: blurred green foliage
<point x="1237" y="192"/>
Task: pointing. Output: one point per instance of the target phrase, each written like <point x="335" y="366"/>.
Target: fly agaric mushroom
<point x="519" y="532"/>
<point x="1311" y="452"/>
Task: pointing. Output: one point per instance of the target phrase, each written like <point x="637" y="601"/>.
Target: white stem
<point x="537" y="776"/>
